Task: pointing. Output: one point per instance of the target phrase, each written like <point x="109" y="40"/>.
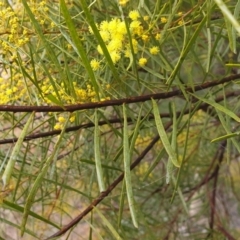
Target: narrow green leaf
<point x="28" y="76"/>
<point x="133" y="61"/>
<point x="5" y="159"/>
<point x="228" y="15"/>
<point x="95" y="230"/>
<point x="174" y="9"/>
<point x="79" y="46"/>
<point x="163" y="135"/>
<point x="121" y="205"/>
<point x="108" y="224"/>
<point x="46" y="44"/>
<point x="153" y="72"/>
<point x="230" y="135"/>
<point x="181" y="196"/>
<point x="21" y="170"/>
<point x="157" y="159"/>
<point x="98" y="154"/>
<point x="14" y="155"/>
<point x="38" y="181"/>
<point x="218" y="107"/>
<point x="169" y="170"/>
<point x="232" y="64"/>
<point x="127" y="171"/>
<point x="18" y="208"/>
<point x="173" y="142"/>
<point x="136" y="131"/>
<point x="103" y="165"/>
<point x="185" y="51"/>
<point x="54" y="100"/>
<point x="209" y="50"/>
<point x="231" y="32"/>
<point x="13" y="224"/>
<point x="227" y="128"/>
<point x="234" y="36"/>
<point x="99" y="38"/>
<point x="67" y="187"/>
<point x="176" y="188"/>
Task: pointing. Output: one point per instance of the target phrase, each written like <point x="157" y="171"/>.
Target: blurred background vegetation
<point x="119" y="119"/>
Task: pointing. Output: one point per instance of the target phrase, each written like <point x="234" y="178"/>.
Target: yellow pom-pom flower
<point x="180" y="23"/>
<point x="72" y="118"/>
<point x="104" y="26"/>
<point x="99" y="49"/>
<point x="145" y="37"/>
<point x="95" y="64"/>
<point x="123" y="2"/>
<point x="134" y="15"/>
<point x="142" y="62"/>
<point x="58" y="126"/>
<point x="146" y="18"/>
<point x="115" y="56"/>
<point x="61" y="119"/>
<point x="136" y="28"/>
<point x="163" y="20"/>
<point x="154" y="50"/>
<point x="157" y="36"/>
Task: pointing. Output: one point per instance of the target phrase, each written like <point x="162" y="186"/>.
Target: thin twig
<point x="225" y="233"/>
<point x="215" y="174"/>
<point x="206" y="179"/>
<point x="117" y="102"/>
<point x="104" y="194"/>
<point x="203" y="106"/>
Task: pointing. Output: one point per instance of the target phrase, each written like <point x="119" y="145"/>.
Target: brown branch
<point x="206" y="179"/>
<point x="75" y="128"/>
<point x="203" y="106"/>
<point x="215" y="174"/>
<point x="117" y="102"/>
<point x="225" y="233"/>
<point x="104" y="194"/>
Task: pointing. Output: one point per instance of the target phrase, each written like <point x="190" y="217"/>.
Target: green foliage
<point x="133" y="119"/>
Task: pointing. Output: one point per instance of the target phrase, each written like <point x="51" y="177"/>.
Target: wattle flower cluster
<point x="115" y="36"/>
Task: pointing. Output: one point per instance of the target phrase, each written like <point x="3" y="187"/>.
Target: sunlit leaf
<point x="127" y="171"/>
<point x="14" y="155"/>
<point x="98" y="154"/>
<point x="163" y="135"/>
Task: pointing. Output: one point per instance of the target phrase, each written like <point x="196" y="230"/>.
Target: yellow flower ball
<point x="58" y="126"/>
<point x="157" y="36"/>
<point x="154" y="50"/>
<point x="61" y="119"/>
<point x="145" y="37"/>
<point x="146" y="18"/>
<point x="72" y="119"/>
<point x="142" y="62"/>
<point x="123" y="2"/>
<point x="95" y="64"/>
<point x="163" y="20"/>
<point x="134" y="15"/>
